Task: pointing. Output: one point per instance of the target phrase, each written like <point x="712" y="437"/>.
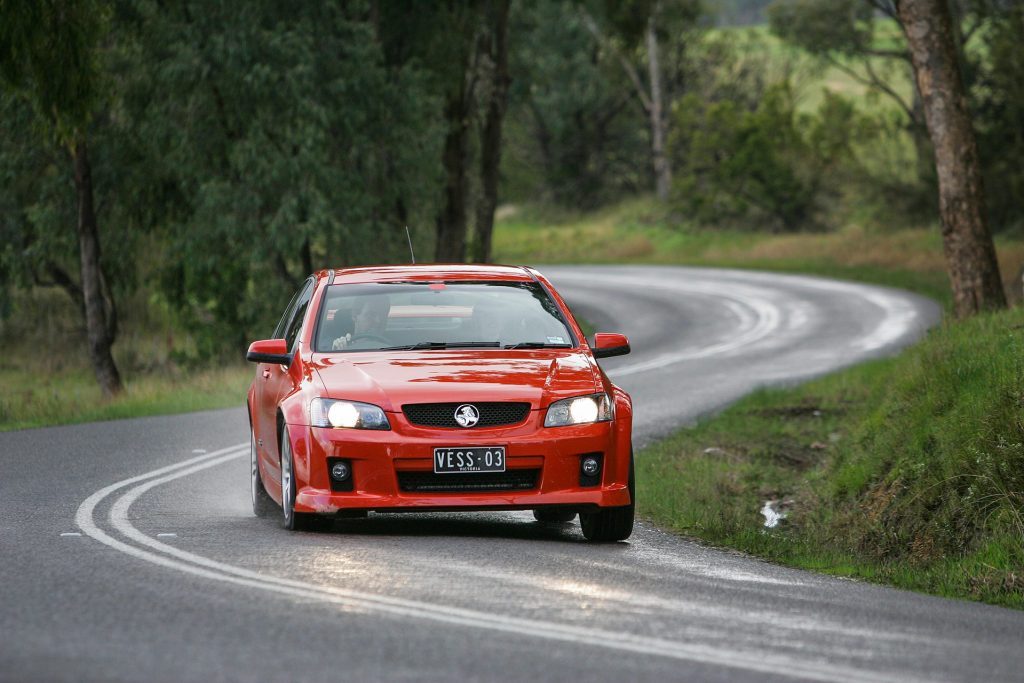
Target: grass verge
<point x="639" y="231"/>
<point x="907" y="471"/>
<point x="72" y="396"/>
<point x="46" y="378"/>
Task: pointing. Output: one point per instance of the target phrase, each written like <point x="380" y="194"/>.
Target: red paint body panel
<point x="390" y="379"/>
<point x="609" y="340"/>
<point x="280" y="397"/>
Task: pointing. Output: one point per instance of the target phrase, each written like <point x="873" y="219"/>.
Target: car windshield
<point x="439" y="315"/>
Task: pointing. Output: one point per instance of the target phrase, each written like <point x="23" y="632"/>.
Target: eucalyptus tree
<point x="51" y="61"/>
<point x="850" y="36"/>
<point x="494" y="46"/>
<point x="290" y="143"/>
<point x="648" y="39"/>
<point x="970" y="252"/>
<point x="575" y="136"/>
<point x="864" y="39"/>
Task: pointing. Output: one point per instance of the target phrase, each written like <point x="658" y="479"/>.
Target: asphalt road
<point x="128" y="550"/>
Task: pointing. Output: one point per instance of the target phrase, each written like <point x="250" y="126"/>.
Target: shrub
<point x="770" y="163"/>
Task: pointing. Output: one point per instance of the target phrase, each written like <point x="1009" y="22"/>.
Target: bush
<point x="767" y="164"/>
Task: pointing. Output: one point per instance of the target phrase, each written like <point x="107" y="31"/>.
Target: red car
<point x="439" y="387"/>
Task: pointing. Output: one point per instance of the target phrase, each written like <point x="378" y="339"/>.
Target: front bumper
<point x="377" y="458"/>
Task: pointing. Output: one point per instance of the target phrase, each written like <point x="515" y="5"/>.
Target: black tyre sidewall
<point x="290" y="519"/>
<point x="262" y="503"/>
<point x="609" y="525"/>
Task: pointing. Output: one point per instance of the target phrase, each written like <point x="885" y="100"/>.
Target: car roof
<point x="429" y="272"/>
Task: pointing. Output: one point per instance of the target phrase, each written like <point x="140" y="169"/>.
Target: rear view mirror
<point x="607" y="344"/>
<point x="269" y="351"/>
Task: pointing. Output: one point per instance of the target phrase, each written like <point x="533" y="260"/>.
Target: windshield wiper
<point x="442" y="345"/>
<point x="537" y="345"/>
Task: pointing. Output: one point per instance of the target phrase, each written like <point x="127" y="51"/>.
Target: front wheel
<point x="296" y="521"/>
<point x="611" y="524"/>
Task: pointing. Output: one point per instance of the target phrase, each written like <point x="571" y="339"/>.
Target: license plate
<point x="475" y="459"/>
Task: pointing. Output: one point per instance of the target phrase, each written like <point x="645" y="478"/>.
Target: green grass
<point x="907" y="471"/>
<point x="35" y="400"/>
<point x="640" y="231"/>
<point x="47" y="380"/>
<point x="812" y="76"/>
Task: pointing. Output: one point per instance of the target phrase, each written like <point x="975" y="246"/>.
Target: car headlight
<point x="325" y="412"/>
<point x="580" y="410"/>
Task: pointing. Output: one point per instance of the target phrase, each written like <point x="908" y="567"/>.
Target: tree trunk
<point x="970" y="252"/>
<point x="490" y="139"/>
<point x="451" y="222"/>
<point x="109" y="308"/>
<point x="307" y="258"/>
<point x="281" y="268"/>
<point x="99" y="326"/>
<point x="925" y="166"/>
<point x="662" y="165"/>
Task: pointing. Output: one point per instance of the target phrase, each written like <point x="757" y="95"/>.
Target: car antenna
<point x="408" y="236"/>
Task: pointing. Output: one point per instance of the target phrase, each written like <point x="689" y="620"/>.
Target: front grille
<point x="492" y="414"/>
<point x="512" y="480"/>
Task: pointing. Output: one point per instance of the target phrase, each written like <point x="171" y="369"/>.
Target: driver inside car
<point x="369" y="316"/>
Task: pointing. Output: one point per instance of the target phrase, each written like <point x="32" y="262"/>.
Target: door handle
<point x="266" y="374"/>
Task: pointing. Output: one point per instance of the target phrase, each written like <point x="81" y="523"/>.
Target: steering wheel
<point x="370" y="337"/>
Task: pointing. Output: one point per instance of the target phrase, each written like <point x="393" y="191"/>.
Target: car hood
<point x="392" y="380"/>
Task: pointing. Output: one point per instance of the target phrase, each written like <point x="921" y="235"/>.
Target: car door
<point x="279" y="381"/>
<point x="264" y="408"/>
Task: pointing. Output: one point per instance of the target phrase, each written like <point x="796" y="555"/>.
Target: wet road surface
<point x="128" y="550"/>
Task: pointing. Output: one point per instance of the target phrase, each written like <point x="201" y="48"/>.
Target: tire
<point x="611" y="524"/>
<point x="262" y="504"/>
<point x="554" y="516"/>
<point x="290" y="519"/>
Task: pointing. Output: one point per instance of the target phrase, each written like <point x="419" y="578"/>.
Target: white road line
<point x="196" y="565"/>
<point x="758" y="318"/>
<point x="898" y="315"/>
<point x="70" y="533"/>
<point x="167" y="535"/>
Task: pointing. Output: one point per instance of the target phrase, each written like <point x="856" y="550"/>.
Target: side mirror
<point x="607" y="345"/>
<point x="269" y="351"/>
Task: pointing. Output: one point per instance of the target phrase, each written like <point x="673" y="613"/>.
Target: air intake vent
<point x="512" y="480"/>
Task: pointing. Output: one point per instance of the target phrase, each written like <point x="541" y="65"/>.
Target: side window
<point x="283" y="323"/>
<point x="292" y="333"/>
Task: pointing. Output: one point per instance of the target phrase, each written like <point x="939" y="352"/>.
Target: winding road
<point x="128" y="550"/>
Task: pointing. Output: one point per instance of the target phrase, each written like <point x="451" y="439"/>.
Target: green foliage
<point x="943" y="449"/>
<point x="244" y="146"/>
<point x="824" y="26"/>
<point x="57" y="91"/>
<point x="869" y="46"/>
<point x="627" y="19"/>
<point x="998" y="105"/>
<point x="49" y="57"/>
<point x="771" y="163"/>
<point x="739" y="12"/>
<point x="574" y="135"/>
<point x="278" y="141"/>
<point x="36" y="206"/>
<point x="908" y="470"/>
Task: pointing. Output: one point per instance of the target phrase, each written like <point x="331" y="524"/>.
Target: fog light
<point x="340" y="471"/>
<point x="590" y="466"/>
